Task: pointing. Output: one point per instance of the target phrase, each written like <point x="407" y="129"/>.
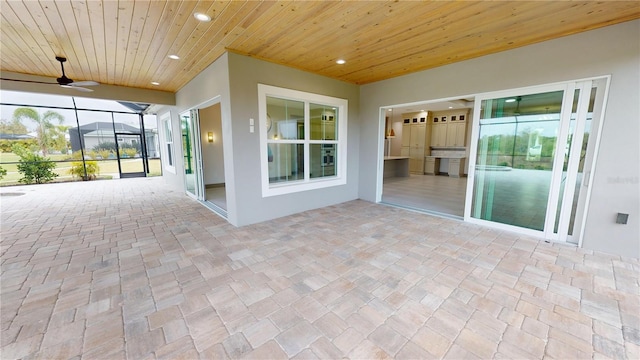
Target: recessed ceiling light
<point x="174" y="57"/>
<point x="202" y="17"/>
<point x="450" y="107"/>
<point x="340" y="61"/>
<point x="155" y="83"/>
<point x="390" y="109"/>
<point x="421" y="110"/>
<point x="510" y="100"/>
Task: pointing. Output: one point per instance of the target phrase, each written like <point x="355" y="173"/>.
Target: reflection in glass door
<point x="532" y="151"/>
<point x="191" y="150"/>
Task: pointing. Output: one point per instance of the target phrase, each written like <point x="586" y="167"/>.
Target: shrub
<point x="104" y="154"/>
<point x="3" y="172"/>
<point x="6" y="145"/>
<point x="77" y="169"/>
<point x="33" y="167"/>
<point x="128" y="152"/>
<point x="107" y="145"/>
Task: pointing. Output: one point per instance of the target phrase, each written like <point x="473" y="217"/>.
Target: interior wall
<point x="396" y="124"/>
<point x="245" y="74"/>
<point x="613" y="50"/>
<point x="212" y="152"/>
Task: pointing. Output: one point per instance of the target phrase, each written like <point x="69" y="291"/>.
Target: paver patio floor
<point x="130" y="269"/>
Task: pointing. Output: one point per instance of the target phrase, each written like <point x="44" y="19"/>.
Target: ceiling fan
<point x="63" y="81"/>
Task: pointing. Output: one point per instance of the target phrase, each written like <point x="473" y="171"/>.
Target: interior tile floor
<point x="441" y="193"/>
<point x="217" y="196"/>
<point x="131" y="269"/>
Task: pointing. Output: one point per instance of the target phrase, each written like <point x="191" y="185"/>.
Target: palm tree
<point x="48" y="134"/>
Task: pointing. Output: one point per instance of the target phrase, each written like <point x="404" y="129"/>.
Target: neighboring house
<point x="97" y="133"/>
<point x="610" y="54"/>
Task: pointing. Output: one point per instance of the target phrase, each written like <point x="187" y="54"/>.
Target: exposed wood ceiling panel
<point x="127" y="43"/>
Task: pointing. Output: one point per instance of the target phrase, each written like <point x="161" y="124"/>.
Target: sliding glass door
<point x="191" y="148"/>
<point x="531" y="150"/>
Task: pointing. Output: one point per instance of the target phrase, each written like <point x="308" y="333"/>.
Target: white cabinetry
<point x="406" y="134"/>
<point x="449" y="128"/>
<point x="431" y="165"/>
<point x="439" y="135"/>
<point x="456" y="134"/>
<point x="416" y="150"/>
<point x="414" y="132"/>
<point x="456" y="167"/>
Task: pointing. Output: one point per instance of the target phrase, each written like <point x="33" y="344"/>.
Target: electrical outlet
<point x="622" y="218"/>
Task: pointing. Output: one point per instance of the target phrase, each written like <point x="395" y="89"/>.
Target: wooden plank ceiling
<point x="127" y="43"/>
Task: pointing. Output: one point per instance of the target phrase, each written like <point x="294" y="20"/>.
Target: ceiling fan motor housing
<point x="63" y="80"/>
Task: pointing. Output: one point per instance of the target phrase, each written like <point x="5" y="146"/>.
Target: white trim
<point x="574" y="159"/>
<point x="596" y="149"/>
<point x="566" y="110"/>
<point x="164" y="119"/>
<point x="307" y="183"/>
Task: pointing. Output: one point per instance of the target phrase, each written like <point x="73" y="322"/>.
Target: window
<point x="303" y="140"/>
<point x="168" y="139"/>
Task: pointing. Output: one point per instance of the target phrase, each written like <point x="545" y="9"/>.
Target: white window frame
<point x="168" y="147"/>
<point x="307" y="183"/>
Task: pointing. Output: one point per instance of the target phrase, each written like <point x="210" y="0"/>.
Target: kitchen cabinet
<point x="416" y="149"/>
<point x="406" y="134"/>
<point x="414" y="131"/>
<point x="431" y="165"/>
<point x="456" y="167"/>
<point x="439" y="135"/>
<point x="456" y="134"/>
<point x="416" y="160"/>
<point x="449" y="129"/>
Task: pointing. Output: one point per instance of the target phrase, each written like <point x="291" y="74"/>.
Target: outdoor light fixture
<point x="210" y="136"/>
<point x="340" y="61"/>
<point x="202" y="17"/>
<point x="155" y="83"/>
<point x="174" y="57"/>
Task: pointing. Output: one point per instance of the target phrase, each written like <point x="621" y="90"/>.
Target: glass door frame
<point x="196" y="149"/>
<point x="569" y="88"/>
<point x="124" y="175"/>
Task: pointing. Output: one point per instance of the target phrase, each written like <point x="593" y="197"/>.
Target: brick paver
<point x="132" y="269"/>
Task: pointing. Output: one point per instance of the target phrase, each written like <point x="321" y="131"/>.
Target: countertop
<point x="395" y="157"/>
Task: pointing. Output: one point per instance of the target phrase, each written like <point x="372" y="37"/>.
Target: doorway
<point x="130" y="155"/>
<point x="425" y="150"/>
<point x="202" y="145"/>
<point x="213" y="156"/>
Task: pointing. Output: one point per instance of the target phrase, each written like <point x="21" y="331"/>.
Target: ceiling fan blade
<point x="76" y="88"/>
<point x="29" y="81"/>
<point x="85" y="83"/>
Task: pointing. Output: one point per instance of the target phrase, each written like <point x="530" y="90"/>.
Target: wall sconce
<point x="210" y="136"/>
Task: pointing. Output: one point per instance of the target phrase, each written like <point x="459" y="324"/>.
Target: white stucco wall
<point x="245" y="74"/>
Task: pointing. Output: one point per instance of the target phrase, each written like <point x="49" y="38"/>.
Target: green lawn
<point x="107" y="168"/>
